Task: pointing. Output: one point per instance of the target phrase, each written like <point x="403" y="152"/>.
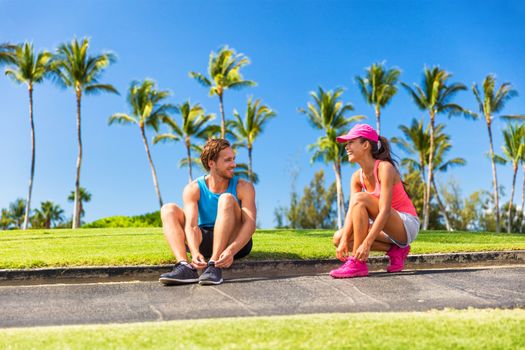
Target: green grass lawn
<point x="449" y="329"/>
<point x="136" y="246"/>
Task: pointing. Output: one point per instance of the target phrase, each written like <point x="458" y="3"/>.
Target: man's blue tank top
<point x="208" y="201"/>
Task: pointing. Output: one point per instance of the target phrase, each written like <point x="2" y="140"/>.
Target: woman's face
<point x="355" y="150"/>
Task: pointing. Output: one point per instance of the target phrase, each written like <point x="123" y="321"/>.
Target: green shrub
<point x="145" y="220"/>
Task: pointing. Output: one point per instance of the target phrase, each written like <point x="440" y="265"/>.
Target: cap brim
<point x="344" y="138"/>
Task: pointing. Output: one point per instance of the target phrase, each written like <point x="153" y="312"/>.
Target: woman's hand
<point x="341" y="252"/>
<point x="362" y="252"/>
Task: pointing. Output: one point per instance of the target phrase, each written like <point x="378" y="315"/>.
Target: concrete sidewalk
<point x="250" y="268"/>
<point x="416" y="290"/>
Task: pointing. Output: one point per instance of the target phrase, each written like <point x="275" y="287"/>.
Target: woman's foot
<point x="351" y="268"/>
<point x="397" y="258"/>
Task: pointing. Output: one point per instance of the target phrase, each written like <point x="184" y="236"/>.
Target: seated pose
<point x="381" y="215"/>
<point x="217" y="222"/>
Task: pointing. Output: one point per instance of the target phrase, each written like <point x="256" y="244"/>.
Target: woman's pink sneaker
<point x="397" y="258"/>
<point x="351" y="268"/>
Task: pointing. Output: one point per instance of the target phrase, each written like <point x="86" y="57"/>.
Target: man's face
<point x="225" y="164"/>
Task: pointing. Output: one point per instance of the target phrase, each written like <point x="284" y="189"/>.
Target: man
<point x="216" y="223"/>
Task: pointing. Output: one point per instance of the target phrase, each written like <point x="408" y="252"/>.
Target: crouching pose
<point x="381" y="215"/>
<point x="217" y="222"/>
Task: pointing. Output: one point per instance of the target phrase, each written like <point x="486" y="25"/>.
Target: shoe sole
<point x="208" y="282"/>
<point x="356" y="275"/>
<point x="173" y="281"/>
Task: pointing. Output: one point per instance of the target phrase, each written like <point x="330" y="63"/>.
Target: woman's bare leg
<point x="366" y="207"/>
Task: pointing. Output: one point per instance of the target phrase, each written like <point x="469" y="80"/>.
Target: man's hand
<point x="341" y="252"/>
<point x="198" y="261"/>
<point x="362" y="252"/>
<point x="225" y="259"/>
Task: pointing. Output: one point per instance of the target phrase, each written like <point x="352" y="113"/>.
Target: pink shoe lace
<point x="397" y="258"/>
<point x="351" y="268"/>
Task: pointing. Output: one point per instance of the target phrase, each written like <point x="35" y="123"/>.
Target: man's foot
<point x="212" y="275"/>
<point x="397" y="258"/>
<point x="351" y="268"/>
<point x="183" y="273"/>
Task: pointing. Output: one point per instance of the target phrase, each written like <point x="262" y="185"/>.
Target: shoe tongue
<point x="211" y="263"/>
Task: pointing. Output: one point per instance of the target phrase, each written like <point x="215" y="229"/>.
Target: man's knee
<point x="227" y="202"/>
<point x="169" y="210"/>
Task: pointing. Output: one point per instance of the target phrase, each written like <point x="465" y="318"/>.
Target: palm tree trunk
<point x="340" y="197"/>
<point x="442" y="207"/>
<point x="153" y="172"/>
<point x="28" y="201"/>
<point x="425" y="195"/>
<point x="223" y="119"/>
<point x="188" y="154"/>
<point x="76" y="211"/>
<point x="378" y="120"/>
<point x="426" y="204"/>
<point x="250" y="169"/>
<point x="494" y="176"/>
<point x="522" y="202"/>
<point x="509" y="218"/>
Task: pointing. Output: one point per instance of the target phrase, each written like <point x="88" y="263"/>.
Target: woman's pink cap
<point x="359" y="130"/>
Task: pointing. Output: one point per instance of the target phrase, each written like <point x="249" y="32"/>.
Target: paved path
<point x="61" y="304"/>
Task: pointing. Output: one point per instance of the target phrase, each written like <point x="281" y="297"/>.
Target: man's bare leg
<point x="227" y="224"/>
<point x="173" y="226"/>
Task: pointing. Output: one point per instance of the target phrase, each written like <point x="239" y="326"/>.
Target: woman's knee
<point x="360" y="198"/>
<point x="337" y="237"/>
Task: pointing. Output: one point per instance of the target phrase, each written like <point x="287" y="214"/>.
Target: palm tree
<point x="194" y="124"/>
<point x="329" y="113"/>
<point x="147" y="109"/>
<point x="251" y="126"/>
<point x="224" y="73"/>
<point x="378" y="87"/>
<point x="49" y="213"/>
<point x="85" y="197"/>
<point x="75" y="68"/>
<point x="416" y="142"/>
<point x="513" y="149"/>
<point x="6" y="220"/>
<point x="435" y="96"/>
<point x="419" y="144"/>
<point x="17" y="211"/>
<point x="30" y="69"/>
<point x="490" y="104"/>
<point x="523" y="187"/>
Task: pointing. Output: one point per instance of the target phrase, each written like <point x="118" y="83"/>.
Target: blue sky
<point x="294" y="47"/>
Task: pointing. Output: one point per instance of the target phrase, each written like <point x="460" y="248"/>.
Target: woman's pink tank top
<point x="400" y="200"/>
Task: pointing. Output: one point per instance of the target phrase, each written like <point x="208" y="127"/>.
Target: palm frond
<point x="121" y="118"/>
<point x="201" y="79"/>
<point x="165" y="137"/>
<point x="95" y="89"/>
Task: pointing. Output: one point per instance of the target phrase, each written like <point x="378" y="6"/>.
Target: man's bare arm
<point x="190" y="197"/>
<point x="246" y="194"/>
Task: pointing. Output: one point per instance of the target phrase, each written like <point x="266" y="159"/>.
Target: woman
<point x="381" y="215"/>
